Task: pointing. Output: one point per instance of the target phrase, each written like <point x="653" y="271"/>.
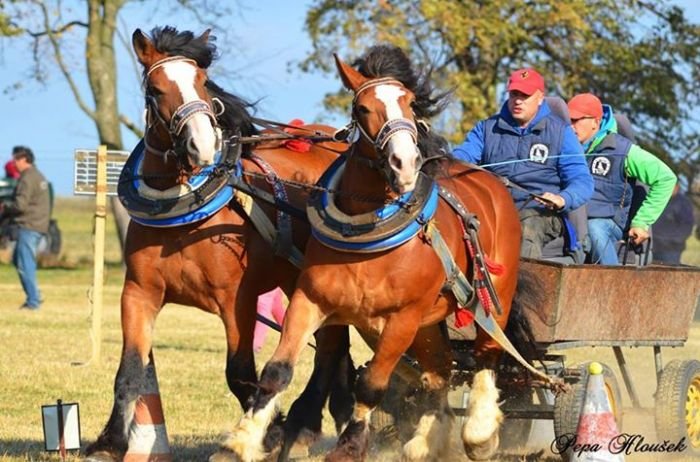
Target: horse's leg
<point x="302" y="319"/>
<point x="239" y="321"/>
<point x="432" y="435"/>
<point x="241" y="376"/>
<point x="372" y="383"/>
<point x="342" y="397"/>
<point x="333" y="370"/>
<point x="139" y="311"/>
<point x="484" y="417"/>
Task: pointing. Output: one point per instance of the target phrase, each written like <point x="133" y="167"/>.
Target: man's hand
<point x="638" y="235"/>
<point x="551" y="201"/>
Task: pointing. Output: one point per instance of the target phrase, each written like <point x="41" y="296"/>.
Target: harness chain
<point x="309" y="187"/>
<point x="283" y="243"/>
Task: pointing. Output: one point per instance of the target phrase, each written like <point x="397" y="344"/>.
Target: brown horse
<point x="397" y="292"/>
<point x="219" y="263"/>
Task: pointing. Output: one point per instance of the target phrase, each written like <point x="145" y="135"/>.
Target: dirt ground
<point x="635" y="421"/>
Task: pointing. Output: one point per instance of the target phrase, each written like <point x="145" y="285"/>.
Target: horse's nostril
<point x="395" y="162"/>
<point x="191" y="146"/>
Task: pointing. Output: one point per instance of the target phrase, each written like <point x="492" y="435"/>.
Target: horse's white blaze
<point x="401" y="146"/>
<point x="201" y="130"/>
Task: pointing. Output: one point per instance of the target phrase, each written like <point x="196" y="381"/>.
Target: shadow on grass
<point x="192" y="448"/>
<point x="31" y="450"/>
<point x="182" y="449"/>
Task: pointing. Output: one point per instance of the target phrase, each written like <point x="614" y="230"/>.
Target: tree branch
<point x="61" y="64"/>
<point x="60" y="30"/>
<point x="135" y="129"/>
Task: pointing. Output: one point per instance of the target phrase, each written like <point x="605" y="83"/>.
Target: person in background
<point x="530" y="146"/>
<point x="271" y="305"/>
<point x="673" y="227"/>
<point x="616" y="164"/>
<point x="30" y="210"/>
<point x="8" y="229"/>
<point x="11" y="172"/>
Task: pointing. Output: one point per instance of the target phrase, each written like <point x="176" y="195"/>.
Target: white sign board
<point x="85" y="171"/>
<point x="71" y="426"/>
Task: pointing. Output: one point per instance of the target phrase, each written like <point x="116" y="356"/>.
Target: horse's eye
<point x="153" y="91"/>
<point x="362" y="109"/>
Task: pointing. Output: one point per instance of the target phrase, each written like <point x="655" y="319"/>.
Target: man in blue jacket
<point x="533" y="148"/>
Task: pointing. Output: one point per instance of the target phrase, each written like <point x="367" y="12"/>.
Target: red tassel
<point x="298" y="145"/>
<point x="463" y="317"/>
<point x="485" y="298"/>
<point x="494" y="268"/>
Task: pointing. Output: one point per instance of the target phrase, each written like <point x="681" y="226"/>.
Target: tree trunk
<point x="101" y="68"/>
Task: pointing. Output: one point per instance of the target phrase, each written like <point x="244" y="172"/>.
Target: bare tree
<point x="54" y="28"/>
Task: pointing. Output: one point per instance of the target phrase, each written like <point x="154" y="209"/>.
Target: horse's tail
<point x="529" y="296"/>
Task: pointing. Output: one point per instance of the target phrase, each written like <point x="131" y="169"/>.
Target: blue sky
<point x="270" y="35"/>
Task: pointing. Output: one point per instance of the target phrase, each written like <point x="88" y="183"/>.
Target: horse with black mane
<point x="445" y="240"/>
<point x="193" y="241"/>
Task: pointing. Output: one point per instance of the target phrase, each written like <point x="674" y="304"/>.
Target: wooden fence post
<point x="98" y="269"/>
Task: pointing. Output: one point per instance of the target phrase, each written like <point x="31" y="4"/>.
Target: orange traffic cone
<point x="596" y="426"/>
<point x="148" y="438"/>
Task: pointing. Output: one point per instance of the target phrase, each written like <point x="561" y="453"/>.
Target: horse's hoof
<point x="224" y="455"/>
<point x="306" y="439"/>
<point x="101" y="456"/>
<point x="342" y="456"/>
<point x="349" y="452"/>
<point x="416" y="450"/>
<point x="483" y="451"/>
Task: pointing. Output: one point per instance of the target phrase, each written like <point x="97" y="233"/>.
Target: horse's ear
<point x="143" y="47"/>
<point x="204" y="38"/>
<point x="352" y="79"/>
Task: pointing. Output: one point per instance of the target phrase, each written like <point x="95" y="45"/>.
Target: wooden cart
<point x="590" y="305"/>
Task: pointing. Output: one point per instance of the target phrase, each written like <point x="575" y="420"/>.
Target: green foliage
<point x="641" y="57"/>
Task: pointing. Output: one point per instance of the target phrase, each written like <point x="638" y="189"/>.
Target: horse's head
<point x="179" y="111"/>
<point x="382" y="112"/>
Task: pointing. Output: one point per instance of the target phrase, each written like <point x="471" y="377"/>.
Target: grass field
<point x="44" y="355"/>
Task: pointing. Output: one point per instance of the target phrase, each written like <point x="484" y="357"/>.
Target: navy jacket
<point x="613" y="190"/>
<point x="543" y="157"/>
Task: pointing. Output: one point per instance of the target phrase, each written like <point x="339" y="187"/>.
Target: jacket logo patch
<point x="539" y="153"/>
<point x="600" y="166"/>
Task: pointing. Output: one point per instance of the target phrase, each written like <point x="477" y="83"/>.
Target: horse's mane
<point x="236" y="115"/>
<point x="170" y="41"/>
<point x="391" y="61"/>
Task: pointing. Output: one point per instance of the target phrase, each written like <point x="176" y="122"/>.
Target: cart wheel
<point x="568" y="406"/>
<point x="516" y="432"/>
<point x="677" y="410"/>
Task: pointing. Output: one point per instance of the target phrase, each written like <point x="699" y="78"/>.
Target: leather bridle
<point x="182" y="114"/>
<point x="390" y="127"/>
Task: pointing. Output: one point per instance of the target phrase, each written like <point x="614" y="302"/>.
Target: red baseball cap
<point x="585" y="105"/>
<point x="526" y="80"/>
<point x="11" y="170"/>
